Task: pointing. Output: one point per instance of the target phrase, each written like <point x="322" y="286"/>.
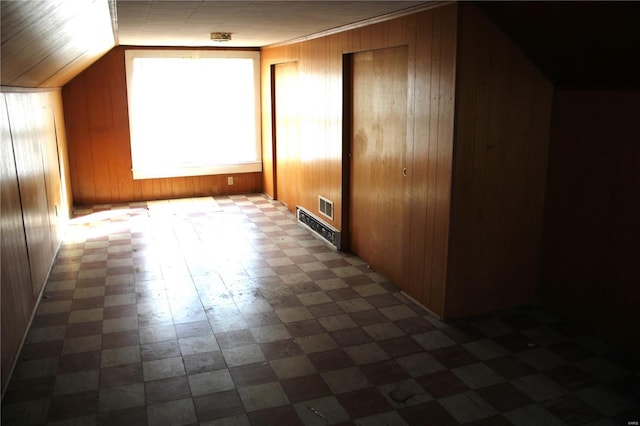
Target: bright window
<point x="193" y="112"/>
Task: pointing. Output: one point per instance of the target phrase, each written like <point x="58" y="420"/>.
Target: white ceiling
<point x="252" y="23"/>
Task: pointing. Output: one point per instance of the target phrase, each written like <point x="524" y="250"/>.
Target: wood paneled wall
<point x="503" y="107"/>
<point x="35" y="207"/>
<point x="97" y="124"/>
<point x="592" y="230"/>
<point x="430" y="37"/>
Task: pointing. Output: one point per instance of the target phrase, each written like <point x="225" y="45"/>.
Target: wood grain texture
<point x="97" y="125"/>
<point x="432" y="156"/>
<point x="378" y="157"/>
<point x="34" y="207"/>
<point x="503" y="106"/>
<point x="17" y="294"/>
<point x="27" y="119"/>
<point x="427" y="146"/>
<point x="288" y="97"/>
<point x="591" y="233"/>
<point x="46" y="46"/>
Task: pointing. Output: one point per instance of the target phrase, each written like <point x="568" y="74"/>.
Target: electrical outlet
<point x="230" y="180"/>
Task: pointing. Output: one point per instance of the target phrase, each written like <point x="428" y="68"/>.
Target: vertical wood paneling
<point x="17" y="294"/>
<point x="34" y="207"/>
<point x="377" y="155"/>
<point x="499" y="172"/>
<point x="431" y="61"/>
<point x="97" y="125"/>
<point x="287" y="126"/>
<point x="430" y="169"/>
<point x="27" y="119"/>
<point x="592" y="209"/>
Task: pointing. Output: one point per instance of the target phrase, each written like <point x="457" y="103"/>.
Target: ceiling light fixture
<point x="220" y="37"/>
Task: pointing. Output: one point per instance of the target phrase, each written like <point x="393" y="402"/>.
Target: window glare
<point x="193" y="116"/>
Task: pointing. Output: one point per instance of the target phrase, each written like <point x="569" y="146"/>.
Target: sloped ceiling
<point x="47" y="43"/>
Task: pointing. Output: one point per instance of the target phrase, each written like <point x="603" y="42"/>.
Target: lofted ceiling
<point x="251" y="23"/>
<point x="45" y="43"/>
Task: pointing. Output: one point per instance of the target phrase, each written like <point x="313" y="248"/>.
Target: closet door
<point x="287" y="134"/>
<point x="377" y="158"/>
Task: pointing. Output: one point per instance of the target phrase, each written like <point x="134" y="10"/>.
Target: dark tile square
<point x="321" y="274"/>
<point x="504" y="396"/>
<point x="363" y="318"/>
<point x="122" y="311"/>
<point x="572" y="410"/>
<point x="193" y="329"/>
<point x="304" y="287"/>
<point x="160" y="350"/>
<point x="442" y="383"/>
<point x="519" y="321"/>
<point x="218" y="405"/>
<point x="42" y="350"/>
<point x="511" y="367"/>
<point x="121" y="375"/>
<point x="165" y="390"/>
<point x="88" y="303"/>
<point x="284" y="301"/>
<point x="454" y="356"/>
<point x="331" y="360"/>
<point x="364" y="403"/>
<point x="414" y="325"/>
<point x="568" y="329"/>
<point x="336" y="263"/>
<point x="325" y="309"/>
<point x="382" y="300"/>
<point x="515" y="342"/>
<point x="305" y="388"/>
<point x="305" y="328"/>
<point x="280" y="349"/>
<point x="572" y="377"/>
<point x="262" y="318"/>
<point x="491" y="421"/>
<point x="428" y="413"/>
<point x="252" y="374"/>
<point x="350" y="337"/>
<point x="355" y="280"/>
<point x="83" y="329"/>
<point x="136" y="416"/>
<point x="462" y="333"/>
<point x="79" y="362"/>
<point x="570" y="351"/>
<point x="49" y="320"/>
<point x="27" y="390"/>
<point x="343" y="293"/>
<point x="203" y="362"/>
<point x="284" y="415"/>
<point x="400" y="346"/>
<point x="381" y="373"/>
<point x="120" y="339"/>
<point x="73" y="405"/>
<point x="233" y="339"/>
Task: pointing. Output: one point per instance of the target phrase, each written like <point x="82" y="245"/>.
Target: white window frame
<point x="208" y="166"/>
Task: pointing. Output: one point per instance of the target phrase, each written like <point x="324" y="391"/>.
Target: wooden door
<point x="378" y="151"/>
<point x="287" y="134"/>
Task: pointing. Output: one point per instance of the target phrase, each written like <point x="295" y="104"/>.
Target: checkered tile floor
<point x="230" y="313"/>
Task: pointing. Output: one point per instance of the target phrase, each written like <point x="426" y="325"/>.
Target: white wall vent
<point x="325" y="207"/>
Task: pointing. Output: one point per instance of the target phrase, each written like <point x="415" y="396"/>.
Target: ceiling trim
<point x="370" y="21"/>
